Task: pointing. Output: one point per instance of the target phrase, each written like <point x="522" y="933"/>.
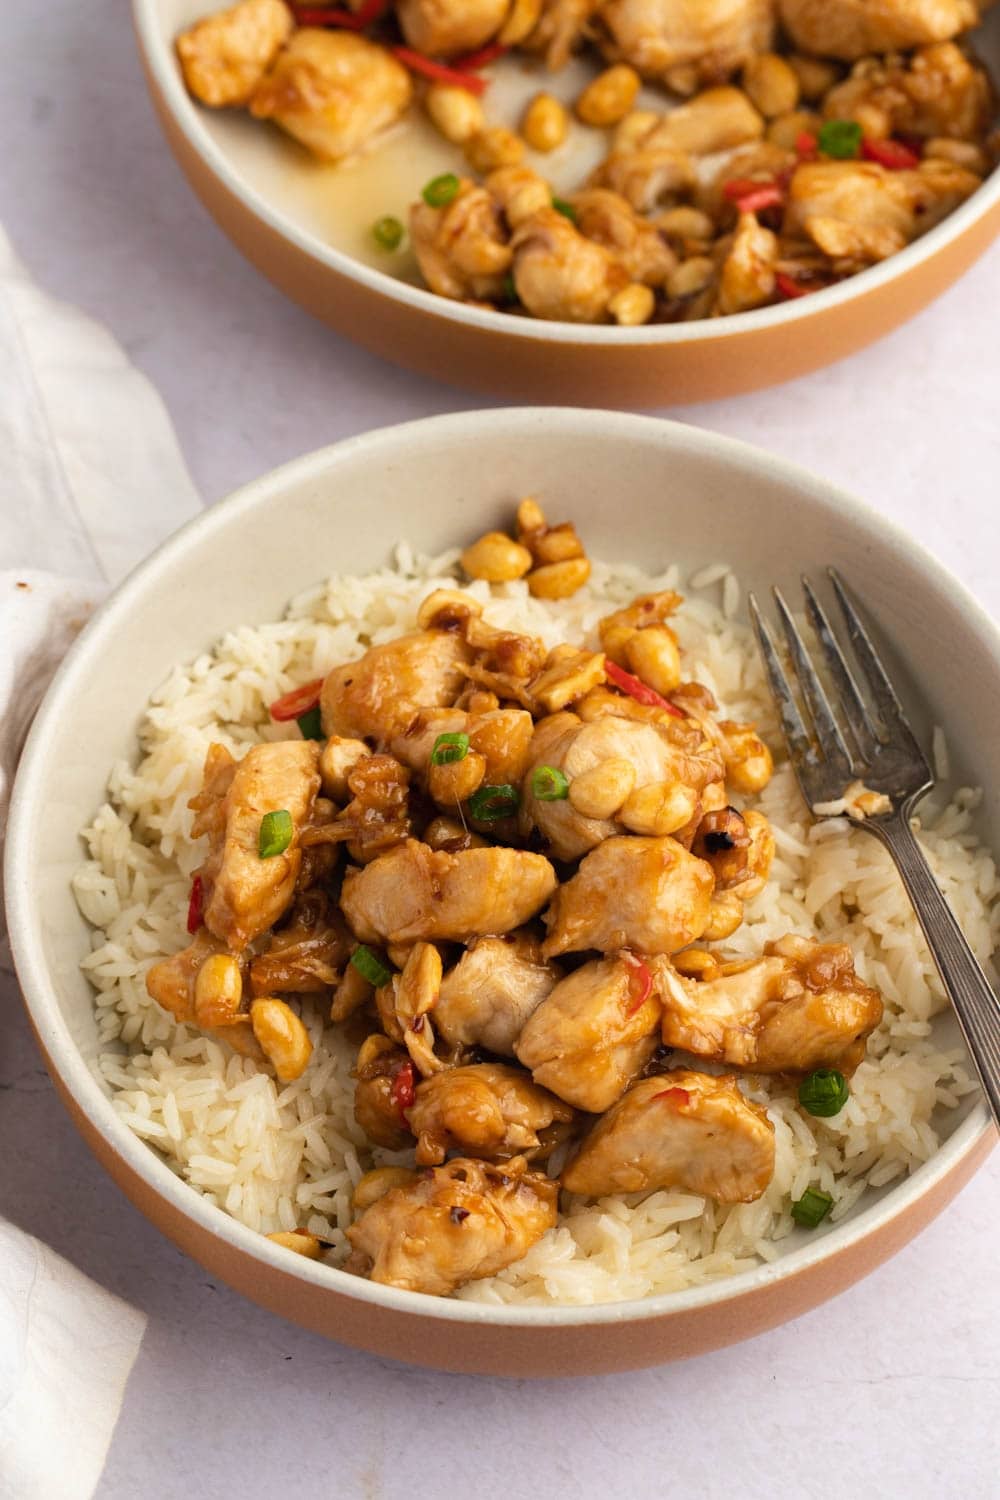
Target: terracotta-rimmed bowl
<point x="639" y="489"/>
<point x="307" y="228"/>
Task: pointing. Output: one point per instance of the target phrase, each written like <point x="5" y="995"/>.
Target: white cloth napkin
<point x="92" y="480"/>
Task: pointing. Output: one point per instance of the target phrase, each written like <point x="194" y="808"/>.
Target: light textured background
<point x="893" y="1389"/>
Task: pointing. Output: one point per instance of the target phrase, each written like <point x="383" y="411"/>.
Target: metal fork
<point x="878" y="748"/>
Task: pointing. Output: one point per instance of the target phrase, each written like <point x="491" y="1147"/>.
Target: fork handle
<point x="976" y="1005"/>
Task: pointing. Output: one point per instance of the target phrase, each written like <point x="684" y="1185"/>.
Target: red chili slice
<point x="679" y="1098"/>
<point x="637" y="689"/>
<point x="789" y="287"/>
<point x="890" y="154"/>
<point x="769" y="195"/>
<point x="296" y="703"/>
<point x="806" y="145"/>
<point x="195" y="915"/>
<point x="481" y="59"/>
<point x="353" y="20"/>
<point x="402" y="1092"/>
<point x="642" y="986"/>
<point x="439" y="72"/>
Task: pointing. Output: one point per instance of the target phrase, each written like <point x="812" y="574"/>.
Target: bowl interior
<point x="329" y="209"/>
<point x="640" y="490"/>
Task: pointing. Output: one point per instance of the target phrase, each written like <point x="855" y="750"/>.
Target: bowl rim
<point x="160" y="60"/>
<point x="39" y="986"/>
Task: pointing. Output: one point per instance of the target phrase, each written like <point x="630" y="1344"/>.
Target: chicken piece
<point x="559" y="274"/>
<point x="245" y="894"/>
<point x="678" y="1130"/>
<point x="380" y="695"/>
<point x="609" y="219"/>
<point x="715" y="120"/>
<point x="747" y="274"/>
<point x="334" y="91"/>
<point x="170" y="982"/>
<point x="414" y="893"/>
<point x="686" y="43"/>
<point x="383" y="1092"/>
<point x="849" y="29"/>
<point x="647" y="894"/>
<point x="502" y="736"/>
<point x="560" y="29"/>
<point x="495" y="987"/>
<point x="936" y="92"/>
<point x="225" y="56"/>
<point x="859" y="212"/>
<point x="377" y="817"/>
<point x="463" y="248"/>
<point x="618" y="757"/>
<point x="596" y="1031"/>
<point x="801" y="1006"/>
<point x="454" y="1224"/>
<point x="308" y="954"/>
<point x="447" y="28"/>
<point x="487" y="1110"/>
<point x="647" y="174"/>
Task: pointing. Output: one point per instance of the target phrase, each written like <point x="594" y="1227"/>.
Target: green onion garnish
<point x="493" y="802"/>
<point x="812" y="1208"/>
<point x="370" y="967"/>
<point x="824" y="1093"/>
<point x="311" y="724"/>
<point x="510" y="288"/>
<point x="275" y="833"/>
<point x="448" y="748"/>
<point x="840" y="138"/>
<point x="549" y="784"/>
<point x="441" y="190"/>
<point x="566" y="209"/>
<point x="388" y="232"/>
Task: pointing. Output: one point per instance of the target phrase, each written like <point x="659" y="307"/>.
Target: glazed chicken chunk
<point x="621" y="774"/>
<point x="380" y="695"/>
<point x="462" y="248"/>
<point x="936" y="92"/>
<point x="415" y="893"/>
<point x="486" y="1110"/>
<point x="686" y="43"/>
<point x="646" y="894"/>
<point x="245" y="894"/>
<point x="849" y="29"/>
<point x="333" y="91"/>
<point x="224" y="57"/>
<point x="678" y="1130"/>
<point x="559" y="274"/>
<point x="447" y="28"/>
<point x="490" y="994"/>
<point x="860" y="213"/>
<point x="801" y="1006"/>
<point x="453" y="1224"/>
<point x="594" y="1033"/>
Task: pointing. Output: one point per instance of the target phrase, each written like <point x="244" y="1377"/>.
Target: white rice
<point x="278" y="1157"/>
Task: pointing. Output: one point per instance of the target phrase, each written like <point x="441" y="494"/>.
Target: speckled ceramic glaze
<point x="287" y="215"/>
<point x="639" y="490"/>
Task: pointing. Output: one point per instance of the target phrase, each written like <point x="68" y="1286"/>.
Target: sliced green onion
<point x="812" y="1208"/>
<point x="566" y="209"/>
<point x="510" y="288"/>
<point x="824" y="1093"/>
<point x="388" y="232"/>
<point x="448" y="748"/>
<point x="493" y="802"/>
<point x="442" y="190"/>
<point x="840" y="138"/>
<point x="549" y="784"/>
<point x="311" y="724"/>
<point x="275" y="833"/>
<point x="370" y="967"/>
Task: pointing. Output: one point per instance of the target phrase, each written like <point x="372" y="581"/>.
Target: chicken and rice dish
<point x="503" y="937"/>
<point x="753" y="150"/>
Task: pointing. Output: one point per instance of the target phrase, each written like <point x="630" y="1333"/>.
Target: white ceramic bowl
<point x="639" y="489"/>
<point x="306" y="227"/>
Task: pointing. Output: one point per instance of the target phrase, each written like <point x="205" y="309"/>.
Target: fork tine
<point x="828" y="734"/>
<point x="851" y="701"/>
<point x="799" y="743"/>
<point x="882" y="690"/>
